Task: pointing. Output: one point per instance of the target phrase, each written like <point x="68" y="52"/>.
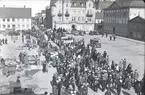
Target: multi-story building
<point x="48" y="18"/>
<point x="80" y="13"/>
<point x="137" y="28"/>
<point x="100" y="5"/>
<point x="118" y="14"/>
<point x="15" y="18"/>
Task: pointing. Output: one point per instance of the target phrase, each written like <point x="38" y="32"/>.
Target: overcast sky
<point x="36" y="5"/>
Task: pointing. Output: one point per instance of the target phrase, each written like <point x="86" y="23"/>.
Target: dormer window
<point x="74" y="3"/>
<point x="82" y="4"/>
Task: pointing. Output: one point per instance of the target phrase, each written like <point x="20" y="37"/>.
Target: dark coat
<point x="107" y="93"/>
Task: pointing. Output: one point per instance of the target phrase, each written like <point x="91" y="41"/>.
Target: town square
<point x="72" y="47"/>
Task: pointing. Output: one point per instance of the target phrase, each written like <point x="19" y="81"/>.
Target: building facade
<point x="80" y="13"/>
<point x="48" y="18"/>
<point x="137" y="28"/>
<point x="118" y="14"/>
<point x="100" y="5"/>
<point x="15" y="18"/>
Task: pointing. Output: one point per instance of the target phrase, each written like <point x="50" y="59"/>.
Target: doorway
<point x="114" y="29"/>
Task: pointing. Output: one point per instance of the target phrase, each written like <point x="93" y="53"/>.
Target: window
<point x="22" y="20"/>
<point x="13" y="26"/>
<point x="74" y="12"/>
<point x="27" y="25"/>
<point x="89" y="19"/>
<point x="66" y="5"/>
<point x="82" y="4"/>
<point x="83" y="11"/>
<point x="4" y="26"/>
<point x="89" y="4"/>
<point x="18" y="20"/>
<point x="23" y="25"/>
<point x="18" y="26"/>
<point x="66" y="18"/>
<point x="8" y="19"/>
<point x="8" y="26"/>
<point x="78" y="18"/>
<point x="74" y="3"/>
<point x="13" y="19"/>
<point x="59" y="18"/>
<point x="82" y="18"/>
<point x="3" y="20"/>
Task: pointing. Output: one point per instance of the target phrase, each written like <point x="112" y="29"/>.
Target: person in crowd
<point x="108" y="92"/>
<point x="105" y="54"/>
<point x="129" y="69"/>
<point x="3" y="41"/>
<point x="124" y="64"/>
<point x="45" y="93"/>
<point x="137" y="87"/>
<point x="106" y="35"/>
<point x="135" y="75"/>
<point x="110" y="38"/>
<point x="119" y="86"/>
<point x="113" y="66"/>
<point x="6" y="41"/>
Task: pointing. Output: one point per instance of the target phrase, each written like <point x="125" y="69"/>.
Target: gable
<point x="137" y="19"/>
<point x="114" y="5"/>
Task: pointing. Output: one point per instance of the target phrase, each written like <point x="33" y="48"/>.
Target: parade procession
<point x="72" y="47"/>
<point x="79" y="66"/>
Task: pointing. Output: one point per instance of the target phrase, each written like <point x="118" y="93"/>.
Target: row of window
<point x="77" y="18"/>
<point x="13" y="26"/>
<point x="117" y="29"/>
<point x="82" y="4"/>
<point x="115" y="14"/>
<point x="76" y="11"/>
<point x="13" y="20"/>
<point x="121" y="10"/>
<point x="79" y="12"/>
<point x="116" y="20"/>
<point x="121" y="21"/>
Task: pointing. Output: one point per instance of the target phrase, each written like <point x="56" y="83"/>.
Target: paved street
<point x="119" y="49"/>
<point x="39" y="82"/>
<point x="122" y="48"/>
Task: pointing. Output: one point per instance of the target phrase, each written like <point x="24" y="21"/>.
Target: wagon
<point x="95" y="42"/>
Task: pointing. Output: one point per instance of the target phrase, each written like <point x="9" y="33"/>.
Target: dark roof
<point x="128" y="3"/>
<point x="99" y="15"/>
<point x="52" y="2"/>
<point x="103" y="5"/>
<point x="8" y="12"/>
<point x="78" y="3"/>
<point x="137" y="19"/>
<point x="131" y="3"/>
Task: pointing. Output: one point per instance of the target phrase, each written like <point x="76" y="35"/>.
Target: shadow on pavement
<point x="114" y="93"/>
<point x="125" y="93"/>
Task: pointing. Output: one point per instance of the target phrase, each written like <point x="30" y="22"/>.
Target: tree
<point x="73" y="27"/>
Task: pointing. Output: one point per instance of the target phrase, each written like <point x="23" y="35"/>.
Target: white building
<point x="15" y="18"/>
<point x="80" y="13"/>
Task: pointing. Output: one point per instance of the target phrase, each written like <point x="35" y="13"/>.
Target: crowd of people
<point x="3" y="41"/>
<point x="79" y="67"/>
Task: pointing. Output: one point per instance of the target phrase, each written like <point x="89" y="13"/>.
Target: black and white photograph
<point x="72" y="47"/>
